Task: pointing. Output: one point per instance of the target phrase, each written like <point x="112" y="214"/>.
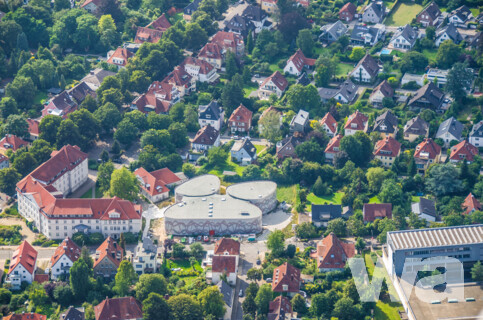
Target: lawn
<point x="176" y="17"/>
<point x="475" y="12"/>
<point x="227" y="166"/>
<point x="387" y="310"/>
<point x="259" y="148"/>
<point x="40" y="97"/>
<point x="369" y="264"/>
<point x="374" y="199"/>
<point x="88" y="194"/>
<point x="183" y="264"/>
<point x="430" y="54"/>
<point x="287" y="194"/>
<point x="249" y="89"/>
<point x="335" y="198"/>
<point x="403" y="14"/>
<point x="343" y="69"/>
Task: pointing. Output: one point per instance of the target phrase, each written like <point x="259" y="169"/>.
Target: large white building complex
<point x="41" y="199"/>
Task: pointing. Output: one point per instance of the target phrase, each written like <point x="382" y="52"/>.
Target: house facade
<point x="243" y="152"/>
<point x="333" y="148"/>
<point x="286" y="280"/>
<point x="366" y="70"/>
<point x="415" y="128"/>
<point x="463" y="151"/>
<point x="23" y="265"/>
<point x="425" y="209"/>
<point x="108" y="258"/>
<point x="275" y="84"/>
<point x="347" y="12"/>
<point x="404" y="38"/>
<point x="300" y="122"/>
<point x="374" y="12"/>
<point x="329" y="125"/>
<point x="205" y="139"/>
<point x="383" y="90"/>
<point x="426" y="153"/>
<point x="450" y="130"/>
<point x="224" y="265"/>
<point x="356" y="122"/>
<point x="476" y="134"/>
<point x="386" y="124"/>
<point x="429" y="15"/>
<point x="240" y="120"/>
<point x="64" y="257"/>
<point x="156" y="185"/>
<point x="387" y="150"/>
<point x="211" y="114"/>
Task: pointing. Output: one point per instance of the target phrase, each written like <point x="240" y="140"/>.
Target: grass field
<point x="387" y="310"/>
<point x="430" y="54"/>
<point x="249" y="89"/>
<point x="184" y="265"/>
<point x="403" y="14"/>
<point x="40" y="97"/>
<point x="369" y="264"/>
<point x="374" y="199"/>
<point x="343" y="69"/>
<point x="287" y="194"/>
<point x="259" y="148"/>
<point x="228" y="166"/>
<point x="88" y="194"/>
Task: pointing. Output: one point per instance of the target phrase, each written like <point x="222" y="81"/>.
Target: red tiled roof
<point x="286" y="274"/>
<point x="96" y="2"/>
<point x="299" y="60"/>
<point x="67" y="248"/>
<point x="144" y="34"/>
<point x="333" y="253"/>
<point x="210" y="51"/>
<point x="41" y="278"/>
<point x="389" y="147"/>
<point x="471" y="203"/>
<point x="33" y="126"/>
<point x="374" y="211"/>
<point x="227" y="245"/>
<point x="280" y="305"/>
<point x="121" y="53"/>
<point x="333" y="143"/>
<point x="160" y="23"/>
<point x="151" y="102"/>
<point x="329" y="120"/>
<point x="349" y="7"/>
<point x="110" y="249"/>
<point x="155" y="179"/>
<point x="25" y="255"/>
<point x="3" y="158"/>
<point x="206" y="135"/>
<point x="119" y="309"/>
<point x="25" y="316"/>
<point x="227" y="40"/>
<point x="428" y="146"/>
<point x="359" y="119"/>
<point x="278" y="79"/>
<point x="204" y="66"/>
<point x="241" y="114"/>
<point x="12" y="142"/>
<point x="463" y="150"/>
<point x="224" y="264"/>
<point x="178" y="77"/>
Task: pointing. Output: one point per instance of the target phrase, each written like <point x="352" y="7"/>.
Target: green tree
<point x="139" y="81"/>
<point x="195" y="36"/>
<point x="16" y="125"/>
<point x="24" y="163"/>
<point x="254" y="274"/>
<point x="197" y="250"/>
<point x="155" y="307"/>
<point x="443" y="179"/>
<point x="125" y="278"/>
<point x="477" y="271"/>
<point x="360" y="245"/>
<point x="319" y="189"/>
<point x="126" y="132"/>
<point x="306" y="230"/>
<point x="150" y="283"/>
<point x="300" y="97"/>
<point x="79" y="279"/>
<point x="8" y="180"/>
<point x="104" y="174"/>
<point x="357" y="54"/>
<point x="338" y="227"/>
<point x="185" y="307"/>
<point x="124" y="184"/>
<point x="106" y="22"/>
<point x="448" y="54"/>
<point x="179" y="134"/>
<point x="358" y="147"/>
<point x="109" y="116"/>
<point x="217" y="157"/>
<point x="87" y="257"/>
<point x="310" y="151"/>
<point x="249" y="45"/>
<point x="391" y="192"/>
<point x="270" y="126"/>
<point x="8" y="106"/>
<point x="276" y="243"/>
<point x="305" y="42"/>
<point x="88" y="125"/>
<point x="160" y="139"/>
<point x="63" y="294"/>
<point x="346" y="309"/>
<point x="263" y="298"/>
<point x="5" y="296"/>
<point x="68" y="134"/>
<point x="89" y="103"/>
<point x="231" y="65"/>
<point x="41" y="150"/>
<point x="232" y="95"/>
<point x="298" y="304"/>
<point x="61" y="5"/>
<point x="413" y="61"/>
<point x="212" y="303"/>
<point x="459" y="79"/>
<point x="23" y="91"/>
<point x="323" y="75"/>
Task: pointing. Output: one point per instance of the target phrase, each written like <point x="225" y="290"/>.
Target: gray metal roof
<point x="477" y="130"/>
<point x="200" y="186"/>
<point x="408" y="33"/>
<point x="452" y="126"/>
<point x="252" y="190"/>
<point x="436" y="237"/>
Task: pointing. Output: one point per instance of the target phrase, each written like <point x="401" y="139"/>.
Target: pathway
<point x="151" y="212"/>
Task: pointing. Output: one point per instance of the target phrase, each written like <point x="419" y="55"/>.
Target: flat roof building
<point x="263" y="194"/>
<point x="201" y="186"/>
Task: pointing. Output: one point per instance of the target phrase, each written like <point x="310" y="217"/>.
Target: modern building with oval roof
<point x="263" y="194"/>
<point x="212" y="215"/>
<point x="201" y="186"/>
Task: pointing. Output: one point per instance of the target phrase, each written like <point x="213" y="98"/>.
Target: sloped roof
<point x="279" y="308"/>
<point x="429" y="91"/>
<point x="452" y="32"/>
<point x="429" y="147"/>
<point x="72" y="314"/>
<point x="373" y="211"/>
<point x="278" y="79"/>
<point x="212" y="109"/>
<point x="333" y="143"/>
<point x="25" y="316"/>
<point x="119" y="309"/>
<point x="206" y="136"/>
<point x="463" y="151"/>
<point x="329" y="120"/>
<point x="120" y="53"/>
<point x="301" y="118"/>
<point x="369" y="64"/>
<point x="67" y="248"/>
<point x="12" y="142"/>
<point x="349" y="7"/>
<point x="247" y="145"/>
<point x="286" y="274"/>
<point x="286" y="147"/>
<point x="407" y="32"/>
<point x="160" y="23"/>
<point x="25" y="255"/>
<point x="378" y="8"/>
<point x="463" y="13"/>
<point x="227" y="40"/>
<point x="333" y="253"/>
<point x="210" y="51"/>
<point x="111" y="250"/>
<point x="425" y="206"/>
<point x="432" y="10"/>
<point x="204" y="66"/>
<point x="299" y="61"/>
<point x="227" y="245"/>
<point x="156" y="182"/>
<point x="477" y="130"/>
<point x="81" y="91"/>
<point x="387" y="119"/>
<point x="387" y="147"/>
<point x="192" y="7"/>
<point x="152" y="102"/>
<point x="385" y="89"/>
<point x="336" y="29"/>
<point x="224" y="264"/>
<point x="33" y="126"/>
<point x="146" y="34"/>
<point x="360" y="31"/>
<point x="254" y="13"/>
<point x="227" y="292"/>
<point x="471" y="203"/>
<point x="241" y="114"/>
<point x="416" y="126"/>
<point x="326" y="212"/>
<point x="451" y="126"/>
<point x="357" y="118"/>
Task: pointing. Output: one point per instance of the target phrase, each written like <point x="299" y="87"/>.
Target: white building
<point x="145" y="260"/>
<point x="211" y="114"/>
<point x="22" y="266"/>
<point x="224" y="265"/>
<point x="64" y="257"/>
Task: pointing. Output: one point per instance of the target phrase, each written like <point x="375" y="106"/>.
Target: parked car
<point x="268" y="280"/>
<point x="240" y="294"/>
<point x="198" y="238"/>
<point x="206" y="239"/>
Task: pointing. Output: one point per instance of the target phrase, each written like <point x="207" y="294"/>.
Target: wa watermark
<point x="420" y="275"/>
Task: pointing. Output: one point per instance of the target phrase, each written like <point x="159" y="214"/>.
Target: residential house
<point x="323" y="213"/>
<point x="448" y="32"/>
<point x="300" y="122"/>
<point x="126" y="308"/>
<point x="60" y="105"/>
<point x="332" y="253"/>
<point x="274" y="84"/>
<point x="374" y="12"/>
<point x="297" y="62"/>
<point x="429" y="15"/>
<point x="228" y="298"/>
<point x="4" y="163"/>
<point x="212" y="53"/>
<point x="425" y="209"/>
<point x="415" y="128"/>
<point x="179" y="78"/>
<point x="95" y="78"/>
<point x="460" y="16"/>
<point x="429" y="96"/>
<point x="374" y="211"/>
<point x="25" y="316"/>
<point x="463" y="151"/>
<point x="64" y="257"/>
<point x="240" y="120"/>
<point x="383" y="90"/>
<point x="224" y="265"/>
<point x="200" y="70"/>
<point x="161" y="23"/>
<point x="211" y="114"/>
<point x="366" y="70"/>
<point x="333" y="32"/>
<point x="280" y="309"/>
<point x="80" y="91"/>
<point x="286" y="147"/>
<point x="145" y="257"/>
<point x="190" y="9"/>
<point x="415" y="79"/>
<point x="33" y="128"/>
<point x="437" y="76"/>
<point x="404" y="38"/>
<point x="387" y="150"/>
<point x="426" y="153"/>
<point x="12" y="142"/>
<point x="205" y="139"/>
<point x="243" y="152"/>
<point x="450" y="130"/>
<point x="145" y="34"/>
<point x="386" y="124"/>
<point x="329" y="125"/>
<point x="333" y="148"/>
<point x="119" y="57"/>
<point x="227" y="247"/>
<point x="363" y="35"/>
<point x="257" y="17"/>
<point x="270" y="110"/>
<point x="476" y="135"/>
<point x="471" y="204"/>
<point x="230" y="41"/>
<point x="159" y="98"/>
<point x="91" y="5"/>
<point x="356" y="122"/>
<point x="348" y="12"/>
<point x="286" y="280"/>
<point x="108" y="258"/>
<point x="303" y="80"/>
<point x="238" y="24"/>
<point x="155" y="185"/>
<point x="23" y="265"/>
<point x="345" y="93"/>
<point x="73" y="314"/>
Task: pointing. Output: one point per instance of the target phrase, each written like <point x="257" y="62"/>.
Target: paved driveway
<point x="237" y="8"/>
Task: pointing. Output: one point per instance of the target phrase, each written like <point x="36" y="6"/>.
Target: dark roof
<point x="303" y="79"/>
<point x="192" y="7"/>
<point x="336" y="29"/>
<point x="452" y="126"/>
<point x="72" y="314"/>
<point x="372" y="211"/>
<point x="385" y="88"/>
<point x="326" y="212"/>
<point x="80" y="92"/>
<point x="452" y="32"/>
<point x="408" y="33"/>
<point x="247" y="145"/>
<point x="462" y="13"/>
<point x="254" y="13"/>
<point x="426" y="206"/>
<point x="432" y="10"/>
<point x="348" y="89"/>
<point x="239" y="24"/>
<point x="378" y="8"/>
<point x="206" y="135"/>
<point x="431" y="93"/>
<point x="227" y="292"/>
<point x="369" y="64"/>
<point x="477" y="130"/>
<point x="212" y="109"/>
<point x="388" y="119"/>
<point x="416" y="126"/>
<point x="360" y="30"/>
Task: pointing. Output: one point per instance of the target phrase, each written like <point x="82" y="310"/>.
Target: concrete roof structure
<point x="251" y="190"/>
<point x="204" y="185"/>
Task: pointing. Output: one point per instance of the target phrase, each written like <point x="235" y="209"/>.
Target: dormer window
<point x="114" y="215"/>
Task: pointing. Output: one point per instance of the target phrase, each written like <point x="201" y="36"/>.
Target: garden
<point x="403" y="14"/>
